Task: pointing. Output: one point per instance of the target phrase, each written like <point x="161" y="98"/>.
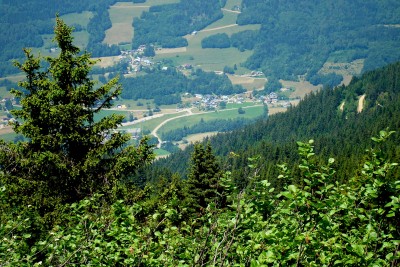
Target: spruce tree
<point x="203" y="177"/>
<point x="69" y="154"/>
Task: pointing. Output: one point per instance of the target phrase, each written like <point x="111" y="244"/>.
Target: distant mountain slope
<point x="329" y="117"/>
<point x="166" y="24"/>
<point x="22" y="23"/>
<point x="298" y="37"/>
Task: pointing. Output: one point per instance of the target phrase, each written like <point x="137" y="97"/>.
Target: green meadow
<point x="251" y="112"/>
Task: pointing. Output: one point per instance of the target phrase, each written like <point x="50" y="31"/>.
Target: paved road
<point x="189" y="113"/>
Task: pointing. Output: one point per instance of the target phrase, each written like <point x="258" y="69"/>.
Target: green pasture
<point x="211" y="59"/>
<point x="231" y="3"/>
<point x="158" y="2"/>
<point x="133" y="104"/>
<point x="121" y="16"/>
<point x="251" y="112"/>
<point x="4" y="93"/>
<point x="150" y="124"/>
<point x="161" y="152"/>
<point x="105" y="113"/>
<point x="236" y="105"/>
<point x="228" y="19"/>
<point x="78" y="18"/>
<point x="81" y="38"/>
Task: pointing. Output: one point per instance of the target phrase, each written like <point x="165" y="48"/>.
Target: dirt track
<point x="218" y="28"/>
<point x="361" y="104"/>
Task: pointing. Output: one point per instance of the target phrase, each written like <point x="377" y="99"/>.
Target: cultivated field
<point x="347" y="70"/>
<point x="122" y="14"/>
<point x="78" y="18"/>
<point x="250" y="83"/>
<point x="302" y="88"/>
<point x="231" y="3"/>
<point x="193" y="138"/>
<point x="104" y="62"/>
<point x="81" y="38"/>
<point x="251" y="112"/>
<point x="211" y="59"/>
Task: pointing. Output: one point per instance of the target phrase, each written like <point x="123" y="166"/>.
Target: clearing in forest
<point x="250" y="83"/>
<point x="360" y="106"/>
<point x="122" y="14"/>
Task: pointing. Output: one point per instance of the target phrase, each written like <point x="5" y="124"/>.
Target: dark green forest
<point x="165" y="25"/>
<point x="343" y="134"/>
<point x="298" y="37"/>
<point x="22" y="23"/>
<point x="219" y="125"/>
<point x="317" y="185"/>
<point x="70" y="194"/>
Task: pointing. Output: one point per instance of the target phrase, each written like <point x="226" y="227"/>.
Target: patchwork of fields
<point x="209" y="59"/>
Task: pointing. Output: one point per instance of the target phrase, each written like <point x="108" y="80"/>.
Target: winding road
<point x="154" y="132"/>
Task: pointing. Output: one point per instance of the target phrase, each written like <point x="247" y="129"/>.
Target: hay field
<point x="347" y="70"/>
<point x="302" y="88"/>
<point x="231" y="3"/>
<point x="121" y="15"/>
<point x="250" y="83"/>
<point x="104" y="62"/>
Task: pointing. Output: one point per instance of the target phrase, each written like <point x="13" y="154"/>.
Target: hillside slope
<point x="298" y="37"/>
<point x="329" y="117"/>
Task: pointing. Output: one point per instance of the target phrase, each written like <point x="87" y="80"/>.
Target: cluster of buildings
<point x="136" y="60"/>
<point x="212" y="102"/>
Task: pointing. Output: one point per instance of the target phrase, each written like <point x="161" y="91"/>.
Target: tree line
<point x="340" y="132"/>
<point x="165" y="86"/>
<point x="165" y="25"/>
<point x="219" y="125"/>
<point x="23" y="22"/>
<point x="298" y="38"/>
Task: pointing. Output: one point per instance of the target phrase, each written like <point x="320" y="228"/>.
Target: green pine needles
<point x="68" y="155"/>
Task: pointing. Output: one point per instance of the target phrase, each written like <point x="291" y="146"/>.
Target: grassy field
<point x="231" y="3"/>
<point x="212" y="59"/>
<point x="4" y="93"/>
<point x="228" y="19"/>
<point x="161" y="152"/>
<point x="301" y="88"/>
<point x="235" y="105"/>
<point x="105" y="113"/>
<point x="81" y="38"/>
<point x="150" y="124"/>
<point x="251" y="112"/>
<point x="347" y="70"/>
<point x="250" y="83"/>
<point x="78" y="18"/>
<point x="122" y="14"/>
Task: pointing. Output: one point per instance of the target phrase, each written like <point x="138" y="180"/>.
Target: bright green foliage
<point x="68" y="156"/>
<point x="318" y="222"/>
<point x="315" y="223"/>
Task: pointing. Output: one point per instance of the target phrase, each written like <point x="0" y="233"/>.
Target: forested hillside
<point x="22" y="23"/>
<point x="165" y="25"/>
<point x="329" y="117"/>
<point x="298" y="37"/>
